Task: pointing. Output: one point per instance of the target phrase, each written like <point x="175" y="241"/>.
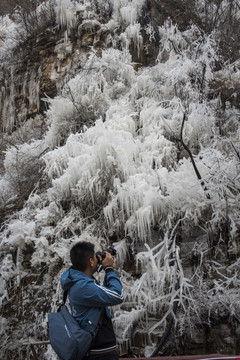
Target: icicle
<point x="65" y="13"/>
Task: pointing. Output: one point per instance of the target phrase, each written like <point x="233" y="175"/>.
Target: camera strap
<point x="99" y="266"/>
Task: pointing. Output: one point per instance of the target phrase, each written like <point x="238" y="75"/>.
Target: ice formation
<point x="113" y="165"/>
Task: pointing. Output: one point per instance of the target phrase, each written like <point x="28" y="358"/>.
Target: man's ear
<point x="91" y="262"/>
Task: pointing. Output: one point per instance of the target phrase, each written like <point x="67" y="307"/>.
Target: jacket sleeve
<point x="95" y="295"/>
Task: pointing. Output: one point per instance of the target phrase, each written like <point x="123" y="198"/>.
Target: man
<point x="89" y="300"/>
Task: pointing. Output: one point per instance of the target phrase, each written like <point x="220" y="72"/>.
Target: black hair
<point x="80" y="255"/>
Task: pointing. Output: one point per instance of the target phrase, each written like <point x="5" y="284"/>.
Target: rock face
<point x="24" y="85"/>
<point x="7" y="6"/>
<point x="40" y="69"/>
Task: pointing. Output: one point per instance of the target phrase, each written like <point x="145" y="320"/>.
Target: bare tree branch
<point x="191" y="156"/>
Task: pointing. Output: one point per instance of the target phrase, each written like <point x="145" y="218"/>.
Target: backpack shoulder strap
<point x="95" y="331"/>
<point x="65" y="293"/>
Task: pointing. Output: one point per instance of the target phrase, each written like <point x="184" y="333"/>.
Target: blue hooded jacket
<point x="87" y="297"/>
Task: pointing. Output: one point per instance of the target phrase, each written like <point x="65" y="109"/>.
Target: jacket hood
<point x="70" y="277"/>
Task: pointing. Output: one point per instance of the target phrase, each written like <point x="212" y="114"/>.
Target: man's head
<point x="83" y="256"/>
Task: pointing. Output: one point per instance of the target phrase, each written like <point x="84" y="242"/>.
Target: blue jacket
<point x="87" y="297"/>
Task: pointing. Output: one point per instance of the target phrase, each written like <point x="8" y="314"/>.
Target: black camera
<point x="111" y="250"/>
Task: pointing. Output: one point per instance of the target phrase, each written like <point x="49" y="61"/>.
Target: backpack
<point x="67" y="338"/>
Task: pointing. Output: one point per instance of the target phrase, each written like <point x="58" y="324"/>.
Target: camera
<point x="111" y="250"/>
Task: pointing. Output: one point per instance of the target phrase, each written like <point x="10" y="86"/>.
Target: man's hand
<point x="109" y="260"/>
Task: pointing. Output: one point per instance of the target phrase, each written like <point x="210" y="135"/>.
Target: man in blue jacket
<point x="89" y="300"/>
